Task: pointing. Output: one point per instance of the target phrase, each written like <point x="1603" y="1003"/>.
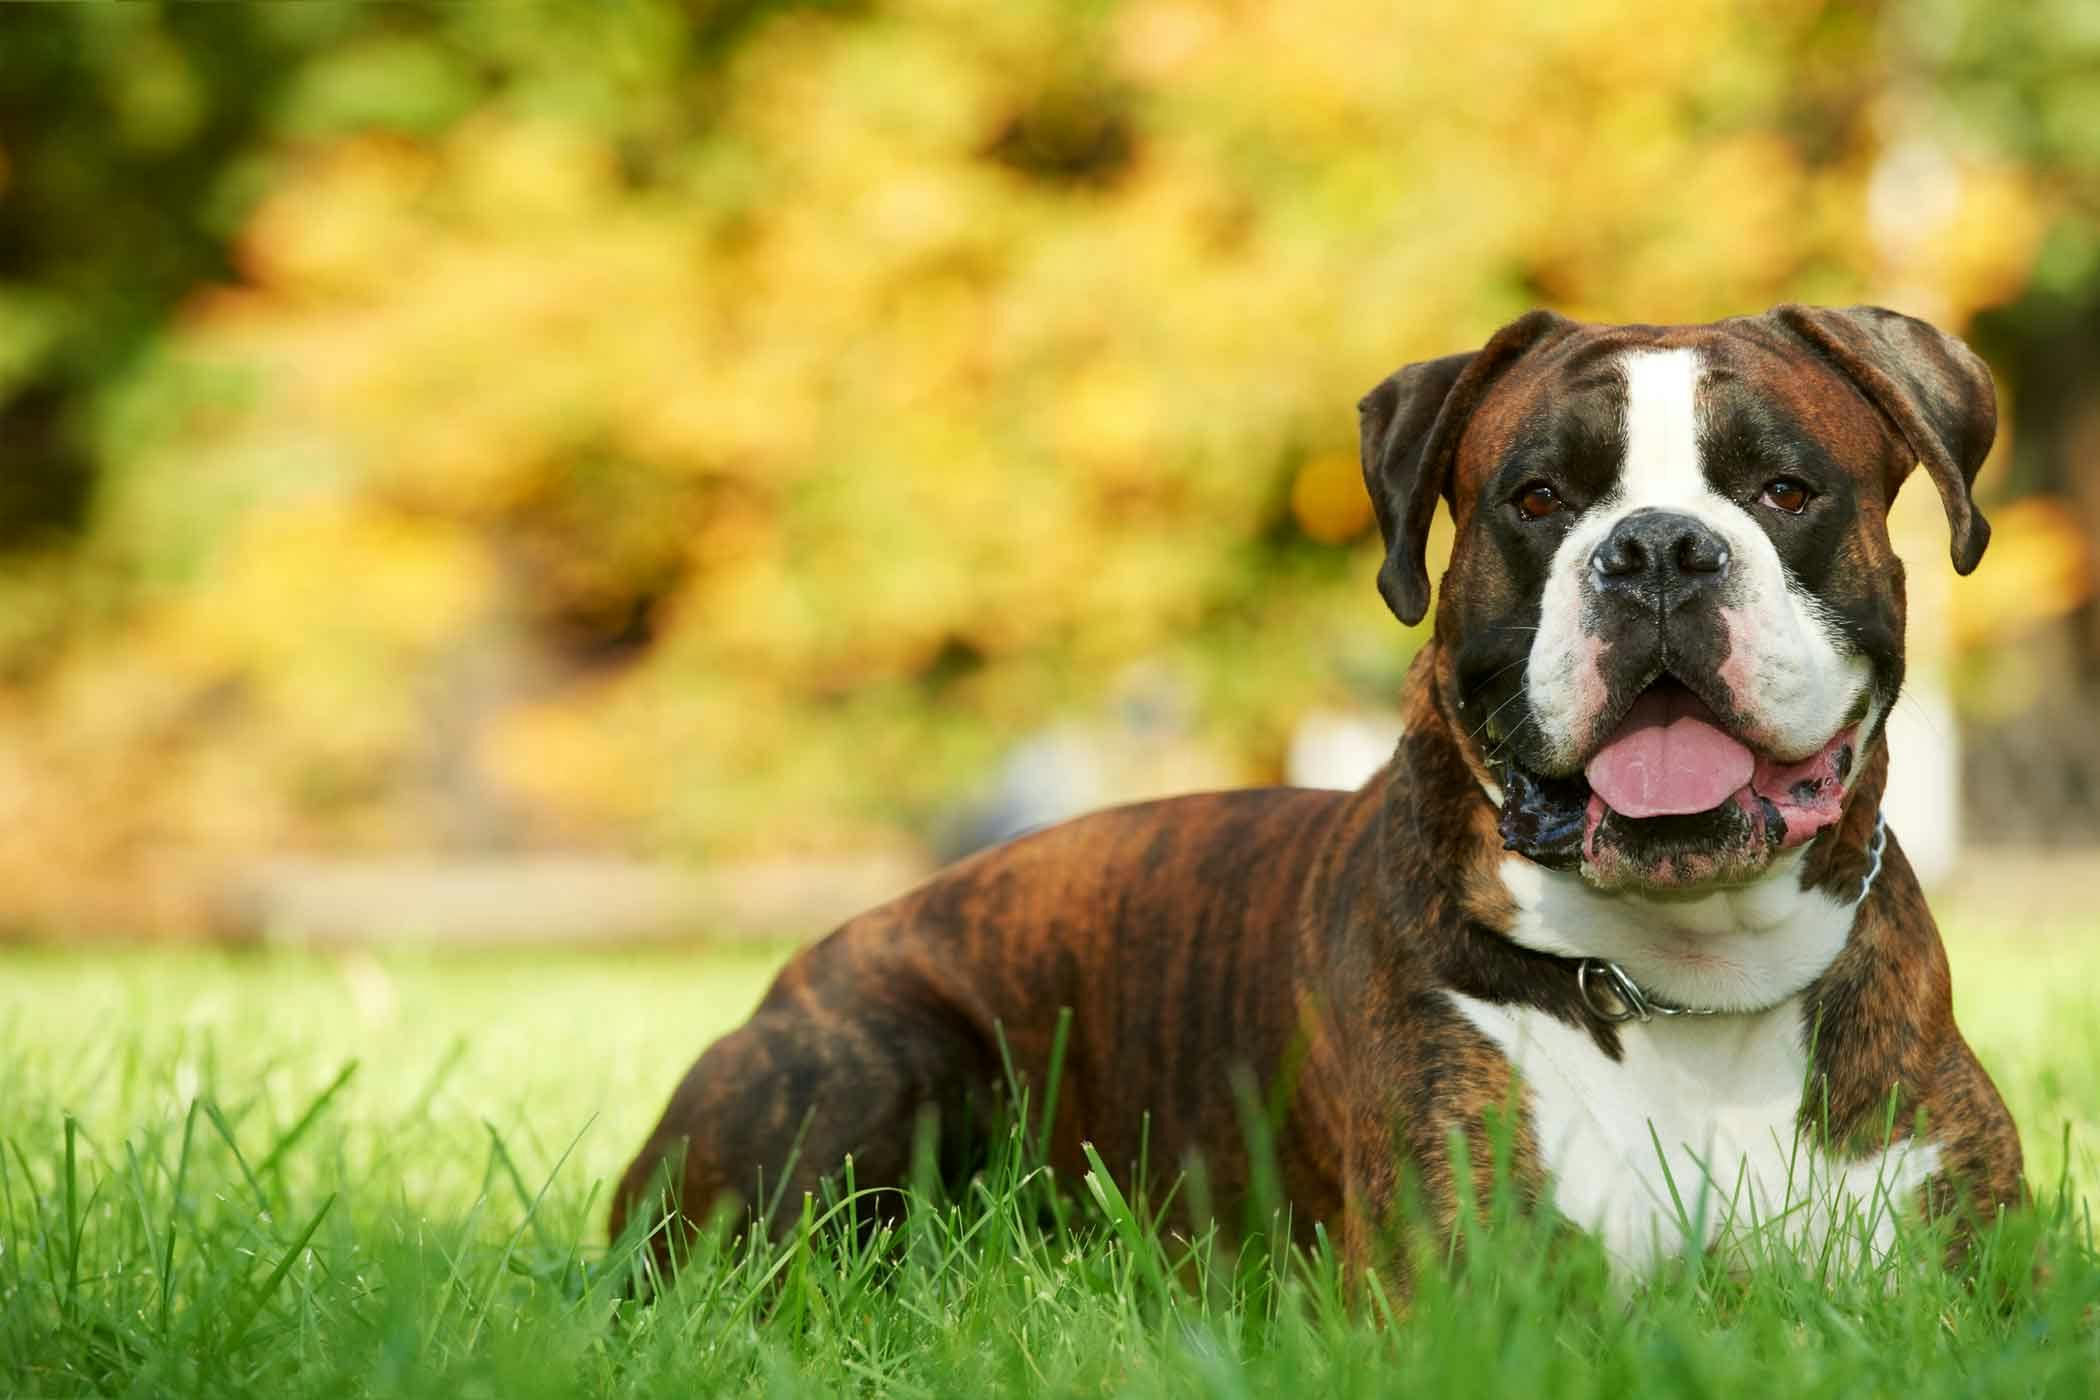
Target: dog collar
<point x="1615" y="998"/>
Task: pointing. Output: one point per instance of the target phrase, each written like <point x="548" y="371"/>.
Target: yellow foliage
<point x="302" y="584"/>
<point x="2040" y="567"/>
<point x="1988" y="249"/>
<point x="963" y="356"/>
<point x="563" y="758"/>
<point x="335" y="228"/>
<point x="1328" y="498"/>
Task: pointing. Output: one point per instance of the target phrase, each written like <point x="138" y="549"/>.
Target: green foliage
<point x="2025" y="77"/>
<point x="282" y="1176"/>
<point x="724" y="425"/>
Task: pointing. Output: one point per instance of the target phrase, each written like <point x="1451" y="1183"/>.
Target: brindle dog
<point x="1626" y="871"/>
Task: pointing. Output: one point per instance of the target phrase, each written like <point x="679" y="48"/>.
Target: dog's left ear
<point x="1410" y="427"/>
<point x="1935" y="390"/>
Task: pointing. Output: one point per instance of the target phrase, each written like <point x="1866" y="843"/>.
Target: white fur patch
<point x="1663" y="463"/>
<point x="1739" y="949"/>
<point x="1561" y="677"/>
<point x="1793" y="677"/>
<point x="1691" y="1137"/>
<point x="1785" y="659"/>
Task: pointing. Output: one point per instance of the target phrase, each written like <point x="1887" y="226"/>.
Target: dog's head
<point x="1672" y="623"/>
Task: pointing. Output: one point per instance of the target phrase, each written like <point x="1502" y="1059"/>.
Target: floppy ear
<point x="1932" y="387"/>
<point x="1410" y="425"/>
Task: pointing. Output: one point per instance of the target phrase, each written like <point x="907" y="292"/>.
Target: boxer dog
<point x="1626" y="885"/>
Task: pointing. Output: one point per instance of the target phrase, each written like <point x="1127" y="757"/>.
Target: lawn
<point x="288" y="1175"/>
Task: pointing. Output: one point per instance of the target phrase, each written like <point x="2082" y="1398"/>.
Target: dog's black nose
<point x="1659" y="560"/>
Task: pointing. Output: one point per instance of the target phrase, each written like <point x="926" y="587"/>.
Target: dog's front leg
<point x="1980" y="1170"/>
<point x="1422" y="1153"/>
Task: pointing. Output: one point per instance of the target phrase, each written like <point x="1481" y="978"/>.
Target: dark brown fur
<point x="1294" y="941"/>
<point x="1293" y="948"/>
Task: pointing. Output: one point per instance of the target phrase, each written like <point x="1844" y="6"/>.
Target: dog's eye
<point x="1538" y="500"/>
<point x="1785" y="493"/>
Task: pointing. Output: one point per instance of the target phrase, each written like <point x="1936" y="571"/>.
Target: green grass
<point x="282" y="1175"/>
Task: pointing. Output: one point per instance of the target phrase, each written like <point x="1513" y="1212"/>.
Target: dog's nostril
<point x="1701" y="552"/>
<point x="1622" y="556"/>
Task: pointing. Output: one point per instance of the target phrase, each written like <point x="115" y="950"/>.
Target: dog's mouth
<point x="1673" y="800"/>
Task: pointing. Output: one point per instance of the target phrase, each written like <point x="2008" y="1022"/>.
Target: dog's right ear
<point x="1410" y="427"/>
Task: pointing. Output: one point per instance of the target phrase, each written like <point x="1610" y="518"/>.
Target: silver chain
<point x="1875" y="849"/>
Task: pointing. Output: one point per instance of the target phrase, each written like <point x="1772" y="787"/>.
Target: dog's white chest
<point x="1691" y="1136"/>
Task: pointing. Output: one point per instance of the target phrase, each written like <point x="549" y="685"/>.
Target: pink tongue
<point x="1669" y="758"/>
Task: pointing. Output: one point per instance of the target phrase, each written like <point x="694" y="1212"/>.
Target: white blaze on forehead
<point x="1661" y="468"/>
<point x="1662" y="465"/>
<point x="1794" y="676"/>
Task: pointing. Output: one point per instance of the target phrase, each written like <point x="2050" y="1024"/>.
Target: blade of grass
<point x="1055" y="1073"/>
<point x="1123" y="1221"/>
<point x="531" y="1213"/>
<point x="290" y="1138"/>
<point x="225" y="1129"/>
<point x="175" y="1211"/>
<point x="72" y="1198"/>
<point x="237" y="1334"/>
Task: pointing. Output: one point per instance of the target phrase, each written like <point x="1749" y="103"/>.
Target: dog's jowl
<point x="1628" y="871"/>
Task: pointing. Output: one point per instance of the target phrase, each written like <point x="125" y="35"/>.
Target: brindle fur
<point x="1297" y="940"/>
<point x="1299" y="944"/>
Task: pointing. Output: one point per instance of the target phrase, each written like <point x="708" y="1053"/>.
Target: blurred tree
<point x="117" y="125"/>
<point x="2025" y="80"/>
<point x="725" y="425"/>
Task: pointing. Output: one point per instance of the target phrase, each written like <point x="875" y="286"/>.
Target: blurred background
<point x="645" y="469"/>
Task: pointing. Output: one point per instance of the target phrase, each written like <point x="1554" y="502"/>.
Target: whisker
<point x="1504" y="670"/>
<point x="1515" y="695"/>
<point x="1519" y="691"/>
<point x="1510" y="737"/>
